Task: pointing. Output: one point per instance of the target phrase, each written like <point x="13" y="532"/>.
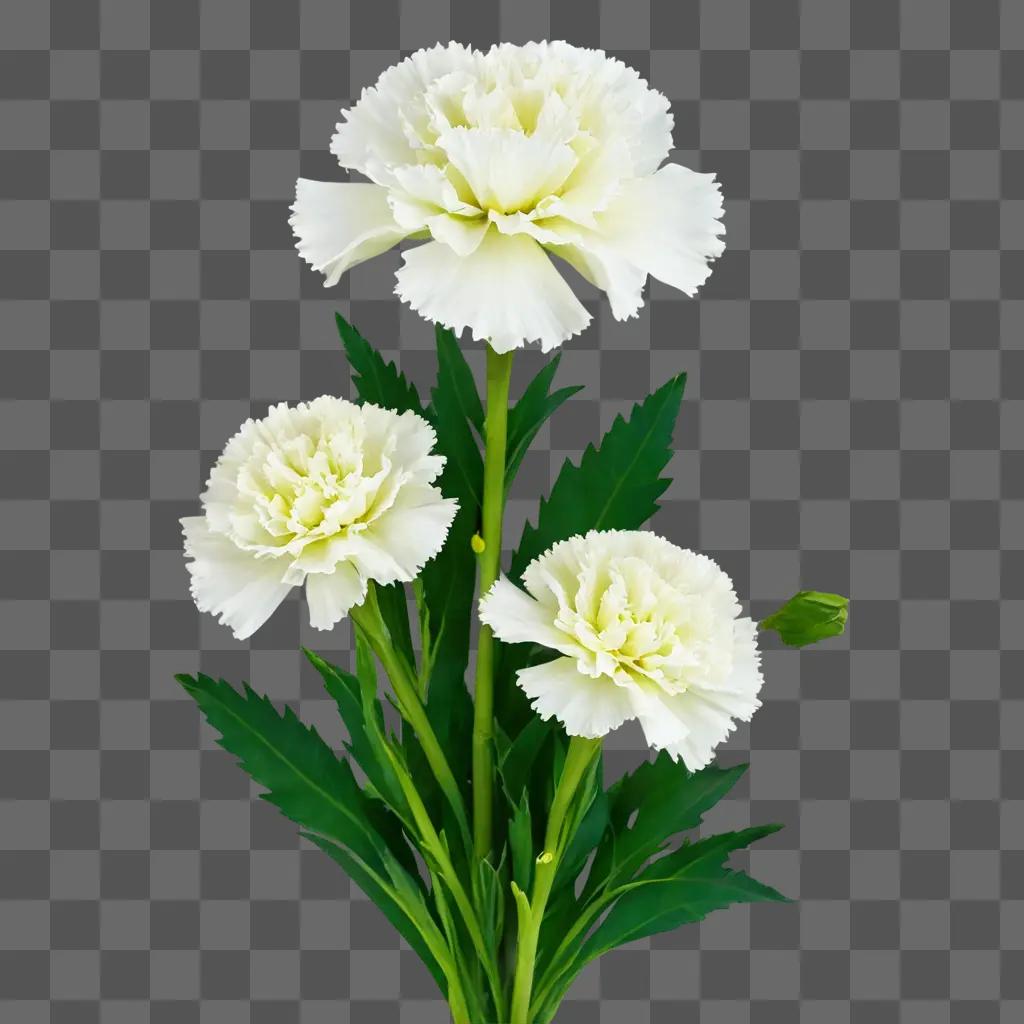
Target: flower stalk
<point x="499" y="374"/>
<point x="578" y="759"/>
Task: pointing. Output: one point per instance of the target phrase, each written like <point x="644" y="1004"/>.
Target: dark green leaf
<point x="361" y="712"/>
<point x="520" y="841"/>
<point x="530" y="413"/>
<point x="687" y="889"/>
<point x="302" y="776"/>
<point x="665" y="799"/>
<point x="616" y="486"/>
<point x="456" y="378"/>
<point x="412" y="921"/>
<point x="376" y="381"/>
<point x="448" y="581"/>
<point x="808" y="617"/>
<point x="520" y="760"/>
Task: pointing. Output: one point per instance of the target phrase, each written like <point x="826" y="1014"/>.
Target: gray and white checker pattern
<point x="855" y="397"/>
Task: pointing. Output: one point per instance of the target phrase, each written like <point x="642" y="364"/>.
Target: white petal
<point x="330" y="595"/>
<point x="376" y="132"/>
<point x="507" y="292"/>
<point x="240" y="589"/>
<point x="411" y="536"/>
<point x="585" y="706"/>
<point x="508" y="170"/>
<point x="606" y="268"/>
<point x="668" y="225"/>
<point x="685" y="725"/>
<point x="462" y="235"/>
<point x="340" y="224"/>
<point x="517" y="618"/>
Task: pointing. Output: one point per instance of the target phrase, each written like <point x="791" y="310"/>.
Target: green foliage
<point x="628" y="865"/>
<point x="808" y="617"/>
<point x="376" y="380"/>
<point x="680" y="888"/>
<point x="530" y="413"/>
<point x="638" y="884"/>
<point x="649" y="806"/>
<point x="615" y="486"/>
<point x="447" y="582"/>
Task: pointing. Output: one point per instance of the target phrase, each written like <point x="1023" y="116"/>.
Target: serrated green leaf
<point x="376" y="380"/>
<point x="808" y="617"/>
<point x="530" y="413"/>
<point x="300" y="772"/>
<point x="680" y="888"/>
<point x="412" y="920"/>
<point x="447" y="582"/>
<point x="665" y="799"/>
<point x="698" y="883"/>
<point x="456" y="378"/>
<point x="615" y="486"/>
<point x="360" y="710"/>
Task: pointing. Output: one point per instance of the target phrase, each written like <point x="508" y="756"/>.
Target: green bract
<point x="506" y="898"/>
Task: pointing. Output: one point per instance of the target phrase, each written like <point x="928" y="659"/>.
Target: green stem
<point x="578" y="759"/>
<point x="403" y="680"/>
<point x="433" y="844"/>
<point x="499" y="373"/>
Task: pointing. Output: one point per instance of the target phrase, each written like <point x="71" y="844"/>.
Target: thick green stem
<point x="499" y="373"/>
<point x="578" y="759"/>
<point x="367" y="617"/>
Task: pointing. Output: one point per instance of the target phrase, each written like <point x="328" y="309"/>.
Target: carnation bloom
<point x="325" y="493"/>
<point x="492" y="158"/>
<point x="644" y="630"/>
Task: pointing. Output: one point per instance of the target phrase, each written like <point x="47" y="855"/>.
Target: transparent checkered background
<point x="855" y="398"/>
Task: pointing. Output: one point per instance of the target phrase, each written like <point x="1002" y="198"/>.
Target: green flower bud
<point x="808" y="617"/>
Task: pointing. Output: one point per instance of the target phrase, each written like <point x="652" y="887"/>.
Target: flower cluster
<point x="492" y="158"/>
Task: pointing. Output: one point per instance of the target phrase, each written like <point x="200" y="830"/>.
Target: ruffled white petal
<point x="667" y="225"/>
<point x="507" y="170"/>
<point x="412" y="536"/>
<point x="340" y="224"/>
<point x="586" y="707"/>
<point x="507" y="292"/>
<point x="241" y="590"/>
<point x="331" y="595"/>
<point x="517" y="618"/>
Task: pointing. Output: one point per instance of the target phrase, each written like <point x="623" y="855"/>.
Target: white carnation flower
<point x="492" y="158"/>
<point x="645" y="630"/>
<point x="325" y="493"/>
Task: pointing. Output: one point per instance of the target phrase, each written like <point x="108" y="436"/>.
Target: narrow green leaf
<point x="520" y="760"/>
<point x="447" y="582"/>
<point x="664" y="799"/>
<point x="520" y="841"/>
<point x="699" y="884"/>
<point x="412" y="920"/>
<point x="808" y="617"/>
<point x="360" y="710"/>
<point x="455" y="376"/>
<point x="300" y="772"/>
<point x="454" y="410"/>
<point x="530" y="413"/>
<point x="376" y="380"/>
<point x="615" y="486"/>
